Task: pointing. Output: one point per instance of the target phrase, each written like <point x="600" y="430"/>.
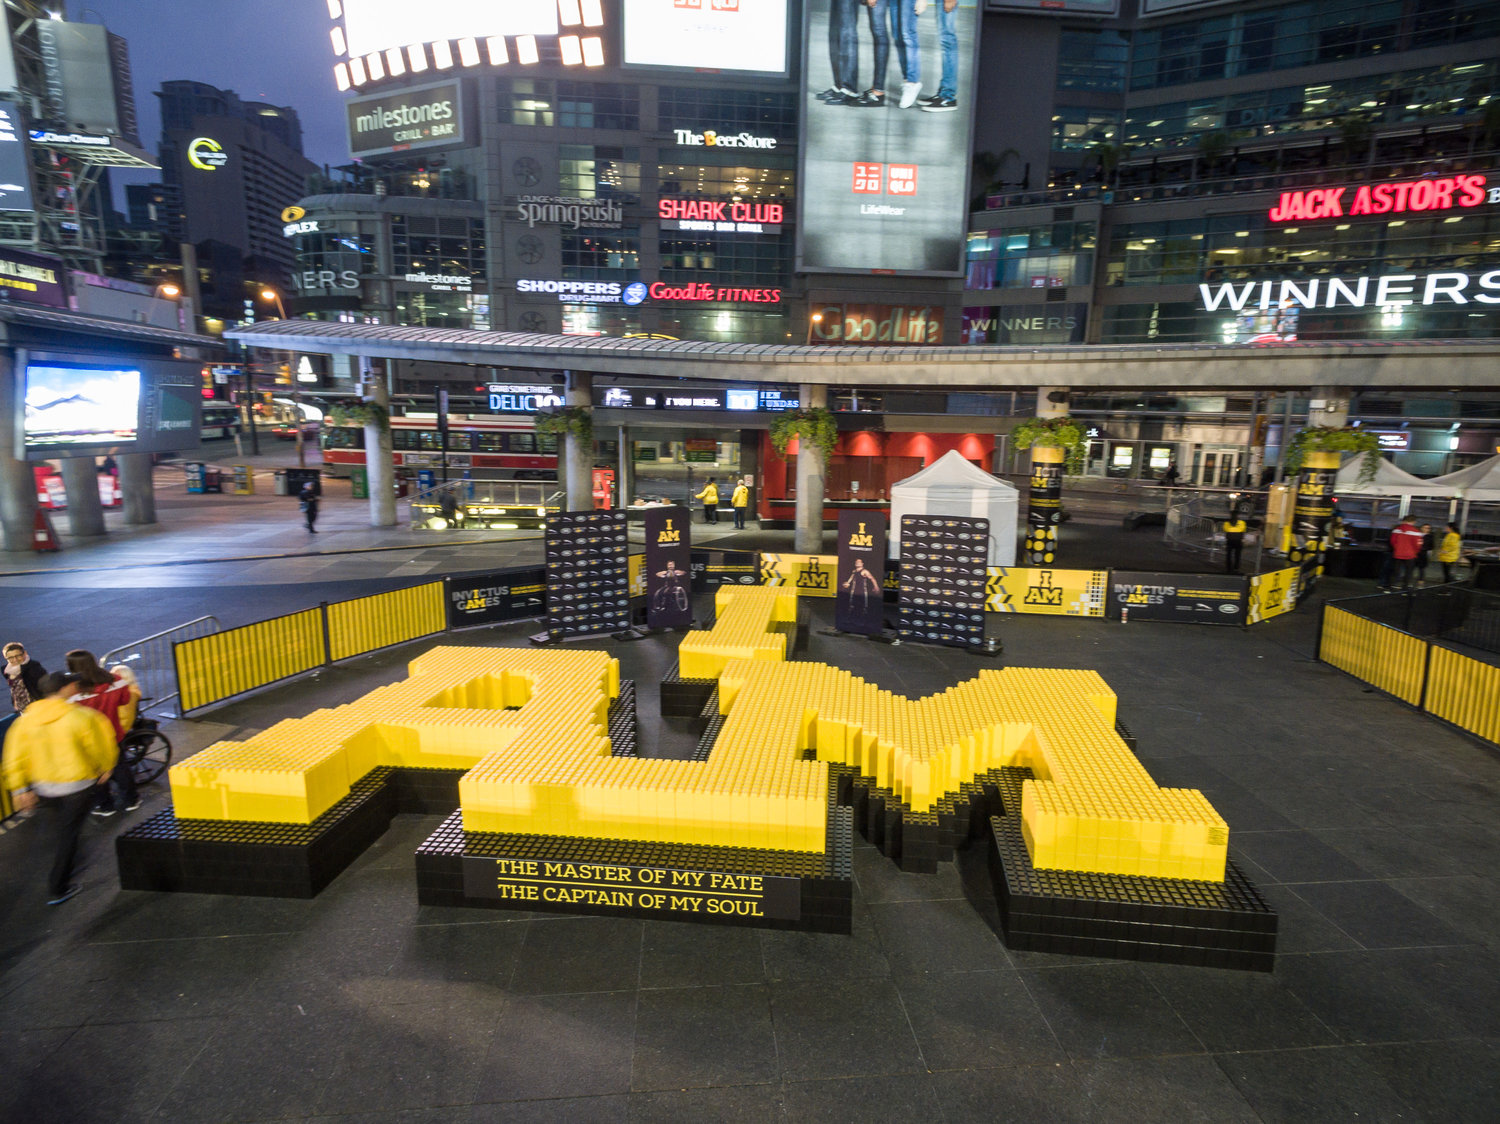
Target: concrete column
<point x="810" y="488"/>
<point x="17" y="485"/>
<point x="1328" y="406"/>
<point x="625" y="484"/>
<point x="380" y="465"/>
<point x="1046" y="407"/>
<point x="750" y="467"/>
<point x="578" y="456"/>
<point x="137" y="489"/>
<point x="81" y="482"/>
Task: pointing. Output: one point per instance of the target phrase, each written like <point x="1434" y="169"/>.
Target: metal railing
<point x="1454" y="614"/>
<point x="150" y="659"/>
<point x="484" y="504"/>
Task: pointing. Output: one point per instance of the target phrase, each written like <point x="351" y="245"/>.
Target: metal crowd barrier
<point x="150" y="658"/>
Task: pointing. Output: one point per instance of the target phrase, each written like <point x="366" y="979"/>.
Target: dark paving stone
<point x="612" y="1109"/>
<point x="937" y="936"/>
<point x="682" y="954"/>
<point x="1469" y="903"/>
<point x="1376" y="915"/>
<point x="1443" y="1080"/>
<point x="1296" y="856"/>
<point x="318" y="973"/>
<point x="880" y="880"/>
<point x="560" y="1046"/>
<point x="897" y="1098"/>
<point x="579" y="954"/>
<point x="138" y="916"/>
<point x="209" y="976"/>
<point x="1175" y="1089"/>
<point x="841" y="1028"/>
<point x="1299" y="926"/>
<point x="1108" y="1010"/>
<point x="1318" y="1084"/>
<point x="824" y="956"/>
<point x="1364" y="997"/>
<point x="976" y="1020"/>
<point x="1056" y="1094"/>
<point x="703" y="1036"/>
<point x="479" y="955"/>
<point x="1230" y="1011"/>
<point x="1411" y="851"/>
<point x="255" y="1067"/>
<point x="24" y="1051"/>
<point x="734" y="1104"/>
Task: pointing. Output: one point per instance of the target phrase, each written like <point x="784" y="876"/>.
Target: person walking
<point x="710" y="498"/>
<point x="23" y="675"/>
<point x="56" y="755"/>
<point x="309" y="503"/>
<point x="1449" y="550"/>
<point x="1234" y="541"/>
<point x="843" y="53"/>
<point x="740" y="500"/>
<point x="116" y="698"/>
<point x="1406" y="543"/>
<point x="1169" y="476"/>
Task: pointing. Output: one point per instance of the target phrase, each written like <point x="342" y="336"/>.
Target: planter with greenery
<point x="361" y="413"/>
<point x="577" y="420"/>
<point x="815" y="424"/>
<point x="1324" y="439"/>
<point x="1057" y="433"/>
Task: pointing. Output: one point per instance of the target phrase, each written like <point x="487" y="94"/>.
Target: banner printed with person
<point x="860" y="604"/>
<point x="669" y="550"/>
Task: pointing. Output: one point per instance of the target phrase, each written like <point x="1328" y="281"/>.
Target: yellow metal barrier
<point x="1384" y="657"/>
<point x="1464" y="691"/>
<point x="226" y="663"/>
<point x="367" y="623"/>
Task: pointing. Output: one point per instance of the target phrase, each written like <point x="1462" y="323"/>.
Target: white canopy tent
<point x="1389" y="481"/>
<point x="1479" y="482"/>
<point x="954" y="486"/>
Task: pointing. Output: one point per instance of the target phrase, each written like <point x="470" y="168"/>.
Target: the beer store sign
<point x="1434" y="194"/>
<point x="690" y="138"/>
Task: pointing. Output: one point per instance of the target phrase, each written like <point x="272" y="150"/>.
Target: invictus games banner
<point x="1271" y="595"/>
<point x="1185" y="598"/>
<point x="588" y="583"/>
<point x="669" y="570"/>
<point x="1044" y="506"/>
<point x="860" y="604"/>
<point x="504" y="595"/>
<point x="887" y="116"/>
<point x="1063" y="593"/>
<point x="943" y="567"/>
<point x="713" y="568"/>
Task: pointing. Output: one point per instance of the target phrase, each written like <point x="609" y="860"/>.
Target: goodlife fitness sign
<point x="1438" y="193"/>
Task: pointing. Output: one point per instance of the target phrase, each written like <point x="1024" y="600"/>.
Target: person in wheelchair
<point x="670" y="595"/>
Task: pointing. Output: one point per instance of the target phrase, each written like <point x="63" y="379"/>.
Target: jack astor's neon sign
<point x="1442" y="193"/>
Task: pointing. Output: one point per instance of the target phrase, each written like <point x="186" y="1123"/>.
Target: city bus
<point x="495" y="448"/>
<point x="220" y="420"/>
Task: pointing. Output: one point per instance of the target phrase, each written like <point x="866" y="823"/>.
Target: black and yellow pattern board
<point x="215" y="667"/>
<point x="1041" y="544"/>
<point x="1048" y="592"/>
<point x="1272" y="594"/>
<point x="366" y="624"/>
<point x="811" y="575"/>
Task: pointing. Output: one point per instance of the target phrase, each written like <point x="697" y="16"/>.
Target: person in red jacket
<point x="1406" y="544"/>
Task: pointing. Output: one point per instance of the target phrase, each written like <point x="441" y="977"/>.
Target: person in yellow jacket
<point x="710" y="498"/>
<point x="740" y="501"/>
<point x="1234" y="541"/>
<point x="1450" y="550"/>
<point x="56" y="754"/>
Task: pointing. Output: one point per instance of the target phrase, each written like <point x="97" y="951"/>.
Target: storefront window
<point x="600" y="171"/>
<point x="601" y="257"/>
<point x="729" y="325"/>
<point x="773" y="182"/>
<point x="426" y="244"/>
<point x="743" y="260"/>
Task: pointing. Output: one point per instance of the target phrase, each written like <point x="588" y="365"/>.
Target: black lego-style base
<point x="1171" y="920"/>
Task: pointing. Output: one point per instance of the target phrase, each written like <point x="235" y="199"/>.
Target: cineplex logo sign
<point x="1355" y="292"/>
<point x="1443" y="193"/>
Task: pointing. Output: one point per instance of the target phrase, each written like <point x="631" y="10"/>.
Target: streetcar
<point x="220" y="420"/>
<point x="497" y="448"/>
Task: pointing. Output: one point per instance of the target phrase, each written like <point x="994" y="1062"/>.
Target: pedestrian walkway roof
<point x="1445" y="363"/>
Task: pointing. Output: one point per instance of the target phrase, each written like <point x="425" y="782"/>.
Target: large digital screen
<point x="888" y="109"/>
<point x="15" y="161"/>
<point x="740" y="35"/>
<point x="71" y="405"/>
<point x="375" y="25"/>
<point x="1057" y="7"/>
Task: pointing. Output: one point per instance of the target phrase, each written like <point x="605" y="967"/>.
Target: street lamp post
<point x="812" y="322"/>
<point x="272" y="296"/>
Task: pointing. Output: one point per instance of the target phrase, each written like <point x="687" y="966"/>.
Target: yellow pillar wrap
<point x="1044" y="507"/>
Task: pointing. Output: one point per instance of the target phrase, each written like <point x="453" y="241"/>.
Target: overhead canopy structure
<point x="954" y="486"/>
<point x="1477" y="482"/>
<point x="1389" y="481"/>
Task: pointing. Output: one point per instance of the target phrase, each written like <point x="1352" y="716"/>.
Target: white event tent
<point x="1478" y="482"/>
<point x="954" y="486"/>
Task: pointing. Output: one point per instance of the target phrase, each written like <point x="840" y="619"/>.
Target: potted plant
<point x="361" y="413"/>
<point x="1328" y="439"/>
<point x="575" y="420"/>
<point x="815" y="425"/>
<point x="1056" y="433"/>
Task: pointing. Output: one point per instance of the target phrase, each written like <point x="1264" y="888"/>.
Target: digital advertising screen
<point x="888" y="110"/>
<point x="1057" y="7"/>
<point x="735" y="35"/>
<point x="375" y="25"/>
<point x="70" y="405"/>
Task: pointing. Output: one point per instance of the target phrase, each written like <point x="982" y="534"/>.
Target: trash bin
<point x="213" y="480"/>
<point x="279" y="487"/>
<point x="297" y="477"/>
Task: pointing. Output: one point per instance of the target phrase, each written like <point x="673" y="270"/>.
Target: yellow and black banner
<point x="1271" y="595"/>
<point x="1186" y="598"/>
<point x="812" y="575"/>
<point x="860" y="607"/>
<point x="1063" y="593"/>
<point x="1044" y="504"/>
<point x="669" y="570"/>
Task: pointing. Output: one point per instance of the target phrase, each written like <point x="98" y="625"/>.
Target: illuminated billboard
<point x="78" y="404"/>
<point x="885" y="152"/>
<point x="418" y="117"/>
<point x="1057" y="7"/>
<point x="377" y="39"/>
<point x="738" y="35"/>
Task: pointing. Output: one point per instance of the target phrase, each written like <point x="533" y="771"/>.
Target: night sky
<point x="265" y="50"/>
